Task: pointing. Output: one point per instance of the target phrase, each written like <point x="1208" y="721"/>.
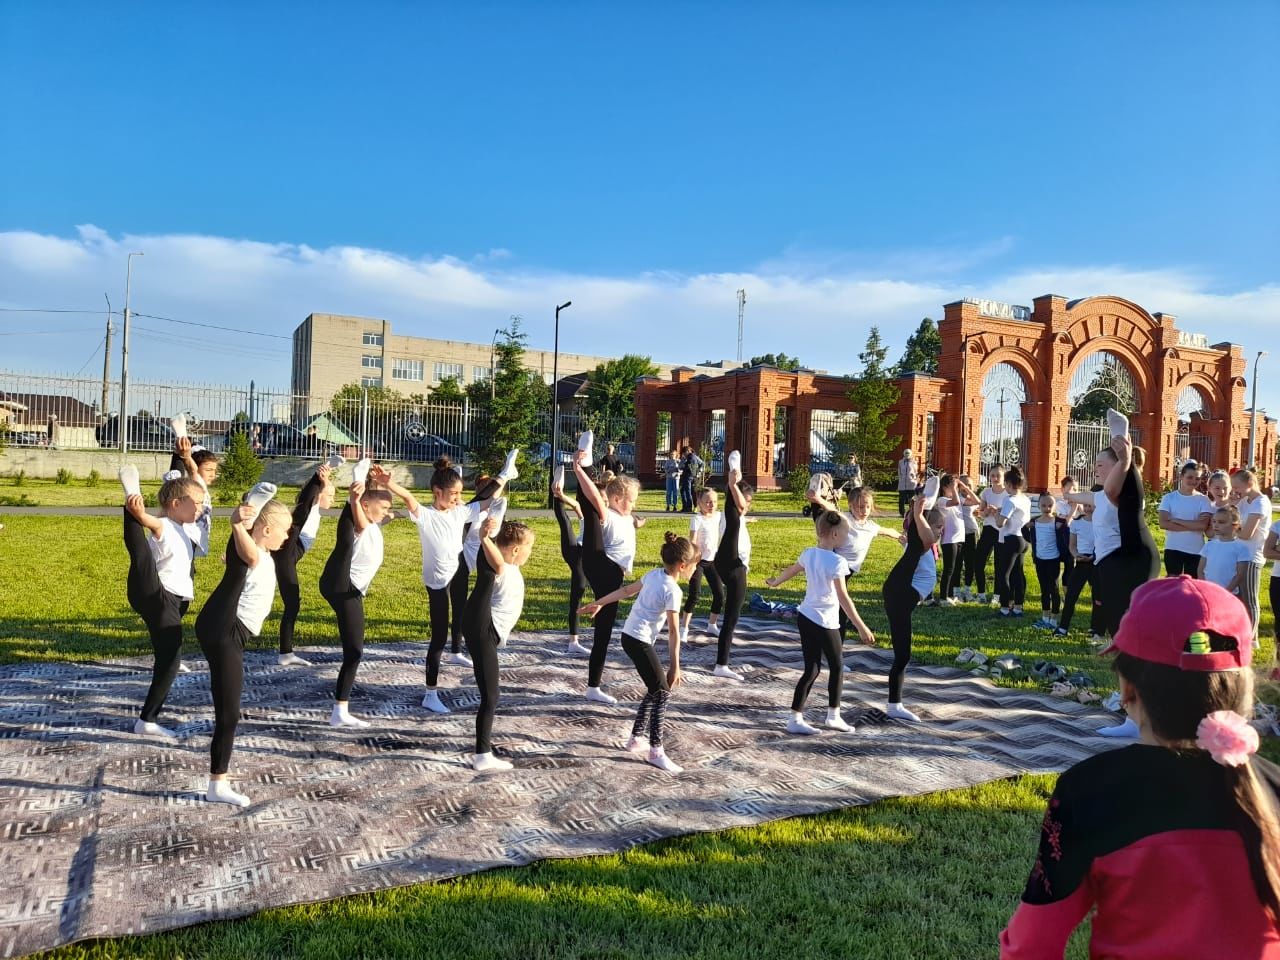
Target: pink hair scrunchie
<point x="1227" y="737"/>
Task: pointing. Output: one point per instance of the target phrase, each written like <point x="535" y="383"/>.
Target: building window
<point x="372" y="362"/>
<point x="372" y="339"/>
<point x="406" y="369"/>
<point x="370" y="381"/>
<point x="446" y="370"/>
<point x="481" y="373"/>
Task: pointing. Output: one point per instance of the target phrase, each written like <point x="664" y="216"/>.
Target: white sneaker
<point x="487" y="761"/>
<point x="723" y="671"/>
<point x="433" y="702"/>
<point x="599" y="696"/>
<point x="585" y="442"/>
<point x="292" y="660"/>
<point x="129" y="480"/>
<point x="713" y="629"/>
<point x="460" y="659"/>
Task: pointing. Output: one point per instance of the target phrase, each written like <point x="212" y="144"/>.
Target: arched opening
<point x="1194" y="440"/>
<point x="1004" y="435"/>
<point x="1101" y="381"/>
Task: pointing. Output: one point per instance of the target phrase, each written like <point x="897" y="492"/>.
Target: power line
<point x="214" y="326"/>
<point x="45" y="333"/>
<point x="91" y="356"/>
<point x="43" y="310"/>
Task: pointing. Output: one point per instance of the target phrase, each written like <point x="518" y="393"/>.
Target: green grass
<point x="920" y="877"/>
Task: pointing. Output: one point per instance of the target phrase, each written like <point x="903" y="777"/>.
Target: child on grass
<point x="1225" y="559"/>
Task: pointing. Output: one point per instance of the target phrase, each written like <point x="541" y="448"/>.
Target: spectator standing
<point x="908" y="480"/>
<point x="611" y="462"/>
<point x="671" y="469"/>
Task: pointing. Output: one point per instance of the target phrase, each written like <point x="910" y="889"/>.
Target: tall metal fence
<point x="80" y="413"/>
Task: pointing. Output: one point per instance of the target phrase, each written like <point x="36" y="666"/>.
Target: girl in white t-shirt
<point x="1271" y="551"/>
<point x="490" y="614"/>
<point x="1049" y="532"/>
<point x="1225" y="559"/>
<point x="159" y="584"/>
<point x="1066" y="511"/>
<point x="969" y="549"/>
<point x="1218" y="489"/>
<point x="232" y="615"/>
<point x="954" y="498"/>
<point x="1184" y="516"/>
<point x="825" y="596"/>
<point x="992" y="497"/>
<point x="657" y="604"/>
<point x="1015" y="513"/>
<point x="705" y="528"/>
<point x="863" y="531"/>
<point x="1255" y="523"/>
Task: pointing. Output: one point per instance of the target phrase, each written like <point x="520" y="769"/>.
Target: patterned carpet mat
<point x="107" y="833"/>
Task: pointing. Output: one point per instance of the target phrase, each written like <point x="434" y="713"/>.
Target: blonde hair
<point x="831" y="523"/>
<point x="180" y="487"/>
<point x="513" y="532"/>
<point x="622" y="488"/>
<point x="274" y="513"/>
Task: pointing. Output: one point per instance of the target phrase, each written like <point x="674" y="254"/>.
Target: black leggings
<point x="347" y="603"/>
<point x="571" y="553"/>
<point x="988" y="540"/>
<point x="1274" y="593"/>
<point x="1047" y="572"/>
<point x="1131" y="564"/>
<point x="222" y="638"/>
<point x="1177" y="562"/>
<point x="1011" y="578"/>
<point x="1081" y="574"/>
<point x="950" y="569"/>
<point x="707" y="569"/>
<point x="654" y="703"/>
<point x="734" y="575"/>
<point x="900" y="600"/>
<point x="482" y="642"/>
<point x="604" y="576"/>
<point x="968" y="559"/>
<point x="160" y="610"/>
<point x="816" y="643"/>
<point x="438" y="602"/>
<point x="287" y="558"/>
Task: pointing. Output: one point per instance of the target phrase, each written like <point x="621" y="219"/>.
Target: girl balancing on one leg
<point x="705" y="529"/>
<point x="234" y="613"/>
<point x="317" y="495"/>
<point x="356" y="557"/>
<point x="733" y="557"/>
<point x="910" y="581"/>
<point x="489" y="616"/>
<point x="571" y="553"/>
<point x="608" y="551"/>
<point x="863" y="530"/>
<point x="658" y="599"/>
<point x="825" y="596"/>
<point x="441" y="526"/>
<point x="159" y="586"/>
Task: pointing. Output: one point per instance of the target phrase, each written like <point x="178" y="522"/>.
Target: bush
<point x="22" y="500"/>
<point x="63" y="478"/>
<point x="241" y="468"/>
<point x="93" y="479"/>
<point x="798" y="479"/>
<point x="20" y="478"/>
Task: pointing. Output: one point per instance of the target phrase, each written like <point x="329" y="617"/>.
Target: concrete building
<point x="330" y="351"/>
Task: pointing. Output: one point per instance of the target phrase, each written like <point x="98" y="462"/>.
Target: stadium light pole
<point x="122" y="423"/>
<point x="1253" y="410"/>
<point x="555" y="406"/>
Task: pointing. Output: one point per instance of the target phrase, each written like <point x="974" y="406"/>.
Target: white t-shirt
<point x="1082" y="530"/>
<point x="1106" y="527"/>
<point x="1017" y="508"/>
<point x="926" y="576"/>
<point x="1221" y="557"/>
<point x="659" y="593"/>
<point x="709" y="527"/>
<point x="970" y="521"/>
<point x="1187" y="509"/>
<point x="366" y="558"/>
<point x="952" y="523"/>
<point x="258" y="594"/>
<point x="858" y="543"/>
<point x="307" y="535"/>
<point x="199" y="531"/>
<point x="744" y="543"/>
<point x="1275" y="567"/>
<point x="991" y="497"/>
<point x="1064" y="509"/>
<point x="1260" y="507"/>
<point x="620" y="540"/>
<point x="471" y="543"/>
<point x="440" y="534"/>
<point x="1047" y="540"/>
<point x="173" y="552"/>
<point x="508" y="600"/>
<point x="821" y="568"/>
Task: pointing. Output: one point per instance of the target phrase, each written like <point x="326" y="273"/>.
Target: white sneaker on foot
<point x="487" y="761"/>
<point x="153" y="730"/>
<point x="585" y="442"/>
<point x="129" y="480"/>
<point x="460" y="659"/>
<point x="797" y="725"/>
<point x="658" y="757"/>
<point x="713" y="629"/>
<point x="433" y="702"/>
<point x="722" y="670"/>
<point x="292" y="660"/>
<point x="599" y="696"/>
<point x="509" y="471"/>
<point x="575" y="649"/>
<point x="898" y="712"/>
<point x="220" y="792"/>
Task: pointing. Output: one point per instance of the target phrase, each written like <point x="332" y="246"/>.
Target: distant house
<point x="59" y="418"/>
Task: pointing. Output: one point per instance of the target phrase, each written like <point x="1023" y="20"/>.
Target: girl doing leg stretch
<point x="733" y="557"/>
<point x="317" y="495"/>
<point x="571" y="553"/>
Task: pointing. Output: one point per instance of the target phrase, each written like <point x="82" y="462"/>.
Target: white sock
<point x="509" y="471"/>
<point x="836" y="722"/>
<point x="153" y="730"/>
<point x="576" y="649"/>
<point x="335" y="461"/>
<point x="460" y="658"/>
<point x="433" y="702"/>
<point x="637" y="745"/>
<point x="220" y="792"/>
<point x="585" y="443"/>
<point x="183" y="668"/>
<point x="713" y="629"/>
<point x="129" y="480"/>
<point x="360" y="472"/>
<point x="293" y="660"/>
<point x="487" y="761"/>
<point x="1126" y="729"/>
<point x="658" y="757"/>
<point x="722" y="670"/>
<point x="341" y="717"/>
<point x="599" y="696"/>
<point x="260" y="495"/>
<point x="734" y="461"/>
<point x="557" y="479"/>
<point x="797" y="725"/>
<point x="1117" y="423"/>
<point x="898" y="712"/>
<point x="930" y="492"/>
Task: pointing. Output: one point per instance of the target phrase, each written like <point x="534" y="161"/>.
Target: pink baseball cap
<point x="1170" y="621"/>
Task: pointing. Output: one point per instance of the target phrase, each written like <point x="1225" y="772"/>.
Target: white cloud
<point x="814" y="305"/>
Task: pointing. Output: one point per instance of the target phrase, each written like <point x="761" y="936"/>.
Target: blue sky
<point x="848" y="163"/>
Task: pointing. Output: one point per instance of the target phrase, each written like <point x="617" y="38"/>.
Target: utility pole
<point x="1253" y="413"/>
<point x="123" y="422"/>
<point x="106" y="364"/>
<point x="742" y="307"/>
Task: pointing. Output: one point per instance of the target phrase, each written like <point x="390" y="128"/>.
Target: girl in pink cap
<point x="1173" y="842"/>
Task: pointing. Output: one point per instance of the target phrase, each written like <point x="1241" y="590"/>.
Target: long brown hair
<point x="1175" y="701"/>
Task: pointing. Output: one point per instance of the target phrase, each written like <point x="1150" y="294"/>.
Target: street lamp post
<point x="123" y="422"/>
<point x="555" y="390"/>
<point x="493" y="370"/>
<point x="1253" y="410"/>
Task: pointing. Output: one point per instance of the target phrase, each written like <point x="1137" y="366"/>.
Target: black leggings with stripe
<point x="653" y="706"/>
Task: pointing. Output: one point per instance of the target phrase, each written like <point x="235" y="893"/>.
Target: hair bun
<point x="444" y="463"/>
<point x="670" y="537"/>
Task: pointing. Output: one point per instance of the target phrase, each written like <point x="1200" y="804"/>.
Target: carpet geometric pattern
<point x="107" y="833"/>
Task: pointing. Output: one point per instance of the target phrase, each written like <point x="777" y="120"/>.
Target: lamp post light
<point x="555" y="391"/>
<point x="1253" y="410"/>
<point x="123" y="422"/>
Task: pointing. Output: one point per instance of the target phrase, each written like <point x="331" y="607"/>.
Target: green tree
<point x="871" y="396"/>
<point x="611" y="387"/>
<point x="519" y="396"/>
<point x="923" y="349"/>
<point x="448" y="391"/>
<point x="1111" y="386"/>
<point x="388" y="410"/>
<point x="240" y="469"/>
<point x="779" y="360"/>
